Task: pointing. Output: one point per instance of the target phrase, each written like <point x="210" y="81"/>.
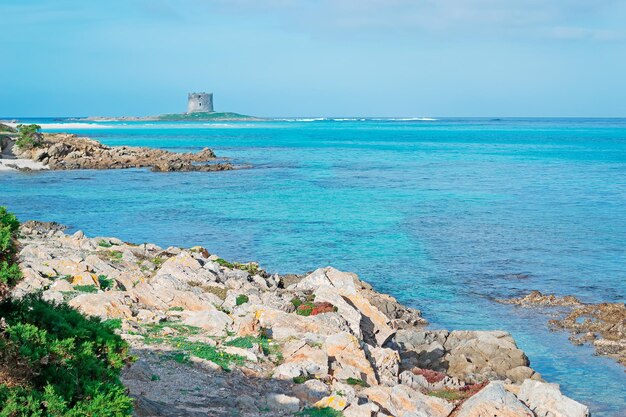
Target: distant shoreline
<point x="174" y="117"/>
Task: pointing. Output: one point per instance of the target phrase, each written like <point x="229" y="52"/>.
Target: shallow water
<point x="446" y="215"/>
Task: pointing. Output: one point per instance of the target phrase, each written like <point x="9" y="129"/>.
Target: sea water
<point x="446" y="215"/>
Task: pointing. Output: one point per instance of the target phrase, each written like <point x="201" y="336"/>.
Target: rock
<point x="479" y="355"/>
<point x="363" y="410"/>
<point x="282" y="402"/>
<point x="535" y="298"/>
<point x="104" y="305"/>
<point x="386" y="364"/>
<point x="520" y="373"/>
<point x="311" y="391"/>
<point x="55" y="297"/>
<point x="247" y="403"/>
<point x="374" y="324"/>
<point x="343" y="282"/>
<point x="302" y="360"/>
<point x="335" y="402"/>
<point x="85" y="278"/>
<point x="402" y="401"/>
<point x="546" y="400"/>
<point x="61" y="285"/>
<point x="251" y="357"/>
<point x="493" y="400"/>
<point x="284" y="325"/>
<point x="348" y="359"/>
<point x="215" y="322"/>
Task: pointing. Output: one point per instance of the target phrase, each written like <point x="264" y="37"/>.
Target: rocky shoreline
<point x="602" y="325"/>
<point x="219" y="338"/>
<point x="62" y="151"/>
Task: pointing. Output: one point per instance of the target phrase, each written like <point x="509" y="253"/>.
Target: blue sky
<point x="315" y="57"/>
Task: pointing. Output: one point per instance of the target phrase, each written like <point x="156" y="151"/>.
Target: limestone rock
<point x="282" y="402"/>
<point x="546" y="400"/>
<point x="215" y="322"/>
<point x="348" y="359"/>
<point x="494" y="400"/>
<point x="387" y="365"/>
<point x="402" y="401"/>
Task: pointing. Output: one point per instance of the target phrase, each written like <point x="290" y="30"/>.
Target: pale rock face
<point x="241" y="352"/>
<point x="55" y="297"/>
<point x="546" y="400"/>
<point x="67" y="267"/>
<point x="348" y="359"/>
<point x="85" y="278"/>
<point x="311" y="391"/>
<point x="494" y="400"/>
<point x="186" y="268"/>
<point x="284" y="325"/>
<point x="482" y="352"/>
<point x="301" y="359"/>
<point x="61" y="285"/>
<point x="349" y="313"/>
<point x="374" y="322"/>
<point x="31" y="282"/>
<point x="332" y="401"/>
<point x="387" y="364"/>
<point x="364" y="410"/>
<point x="402" y="401"/>
<point x="343" y="282"/>
<point x="282" y="402"/>
<point x="104" y="305"/>
<point x="215" y="322"/>
<point x="521" y="373"/>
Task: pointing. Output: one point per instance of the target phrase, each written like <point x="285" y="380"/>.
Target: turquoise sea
<point x="446" y="215"/>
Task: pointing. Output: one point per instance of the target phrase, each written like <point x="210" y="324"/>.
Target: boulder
<point x="546" y="400"/>
<point x="215" y="322"/>
<point x="348" y="360"/>
<point x="402" y="401"/>
<point x="386" y="364"/>
<point x="480" y="355"/>
<point x="114" y="304"/>
<point x="311" y="391"/>
<point x="282" y="402"/>
<point x="493" y="400"/>
<point x="335" y="402"/>
<point x="301" y="359"/>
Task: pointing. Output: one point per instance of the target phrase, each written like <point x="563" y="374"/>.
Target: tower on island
<point x="199" y="102"/>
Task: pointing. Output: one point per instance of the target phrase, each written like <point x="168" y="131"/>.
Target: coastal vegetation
<point x="53" y="360"/>
<point x="28" y="136"/>
<point x="200" y="116"/>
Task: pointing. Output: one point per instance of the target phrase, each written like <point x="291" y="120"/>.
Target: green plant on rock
<point x="305" y="309"/>
<point x="86" y="288"/>
<point x="105" y="282"/>
<point x="224" y="263"/>
<point x="296" y="301"/>
<point x="358" y="382"/>
<point x="28" y="136"/>
<point x="9" y="274"/>
<point x="9" y="219"/>
<point x="242" y="299"/>
<point x="105" y="244"/>
<point x="320" y="412"/>
<point x="56" y="362"/>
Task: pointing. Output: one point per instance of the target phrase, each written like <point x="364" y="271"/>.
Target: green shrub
<point x="319" y="412"/>
<point x="86" y="288"/>
<point x="176" y="308"/>
<point x="305" y="309"/>
<point x="6" y="239"/>
<point x="104" y="244"/>
<point x="28" y="136"/>
<point x="56" y="362"/>
<point x="9" y="274"/>
<point x="9" y="219"/>
<point x="225" y="263"/>
<point x="105" y="282"/>
<point x="242" y="299"/>
<point x="355" y="381"/>
<point x="297" y="302"/>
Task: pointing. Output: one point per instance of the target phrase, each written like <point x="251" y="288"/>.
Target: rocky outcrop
<point x="61" y="151"/>
<point x="546" y="400"/>
<point x="219" y="338"/>
<point x="602" y="325"/>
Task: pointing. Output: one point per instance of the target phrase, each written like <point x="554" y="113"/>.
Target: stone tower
<point x="199" y="102"/>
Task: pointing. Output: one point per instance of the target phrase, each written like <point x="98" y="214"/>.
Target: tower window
<point x="200" y="104"/>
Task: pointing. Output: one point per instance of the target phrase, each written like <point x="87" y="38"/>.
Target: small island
<point x="199" y="109"/>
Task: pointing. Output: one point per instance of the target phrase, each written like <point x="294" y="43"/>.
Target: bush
<point x="56" y="362"/>
<point x="9" y="274"/>
<point x="242" y="299"/>
<point x="8" y="219"/>
<point x="28" y="136"/>
<point x="105" y="282"/>
<point x="6" y="239"/>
